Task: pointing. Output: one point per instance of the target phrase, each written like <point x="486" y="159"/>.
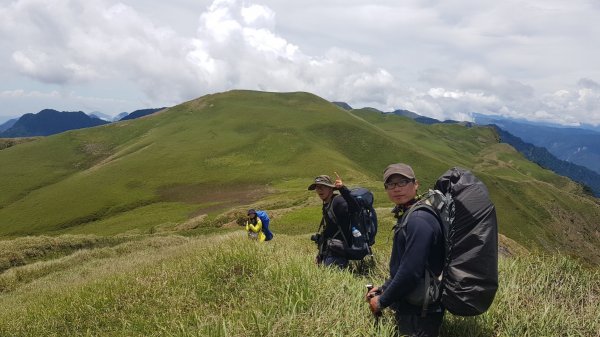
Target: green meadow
<point x="132" y="228"/>
<point x="225" y="285"/>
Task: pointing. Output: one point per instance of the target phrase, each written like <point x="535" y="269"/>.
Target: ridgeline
<point x="131" y="228"/>
<point x="201" y="163"/>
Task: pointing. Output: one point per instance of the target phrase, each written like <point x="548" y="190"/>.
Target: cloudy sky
<point x="444" y="59"/>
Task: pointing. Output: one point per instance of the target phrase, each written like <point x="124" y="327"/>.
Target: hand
<point x="372" y="293"/>
<point x="374" y="305"/>
<point x="338" y="181"/>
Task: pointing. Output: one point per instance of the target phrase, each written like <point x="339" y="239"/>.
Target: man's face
<point x="401" y="189"/>
<point x="324" y="192"/>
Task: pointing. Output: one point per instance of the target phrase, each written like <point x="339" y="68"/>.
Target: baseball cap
<point x="399" y="168"/>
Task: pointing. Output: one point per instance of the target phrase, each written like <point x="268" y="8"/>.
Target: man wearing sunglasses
<point x="417" y="249"/>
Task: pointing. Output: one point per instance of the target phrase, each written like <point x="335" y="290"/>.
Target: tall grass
<point x="21" y="251"/>
<point x="225" y="285"/>
<point x="539" y="296"/>
<point x="68" y="253"/>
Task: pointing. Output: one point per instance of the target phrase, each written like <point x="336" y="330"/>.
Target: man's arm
<point x="352" y="205"/>
<point x="342" y="216"/>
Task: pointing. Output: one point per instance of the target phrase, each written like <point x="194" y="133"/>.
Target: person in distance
<point x="254" y="226"/>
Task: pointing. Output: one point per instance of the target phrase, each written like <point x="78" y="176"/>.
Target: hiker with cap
<point x="335" y="227"/>
<point x="416" y="260"/>
<point x="254" y="226"/>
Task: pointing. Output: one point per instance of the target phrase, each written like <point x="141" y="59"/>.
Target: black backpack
<point x="470" y="273"/>
<point x="364" y="221"/>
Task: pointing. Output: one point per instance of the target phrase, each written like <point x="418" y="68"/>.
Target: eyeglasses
<point x="399" y="183"/>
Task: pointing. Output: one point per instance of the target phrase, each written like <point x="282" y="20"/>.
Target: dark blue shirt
<point x="420" y="245"/>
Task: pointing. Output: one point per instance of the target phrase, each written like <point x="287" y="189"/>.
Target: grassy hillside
<point x="535" y="206"/>
<point x="196" y="167"/>
<point x="129" y="229"/>
<point x="225" y="285"/>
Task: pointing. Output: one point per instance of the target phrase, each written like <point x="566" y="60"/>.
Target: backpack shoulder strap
<point x="321" y="244"/>
<point x="331" y="214"/>
<point x="417" y="206"/>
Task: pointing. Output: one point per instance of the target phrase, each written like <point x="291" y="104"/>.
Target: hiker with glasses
<point x="335" y="228"/>
<point x="416" y="260"/>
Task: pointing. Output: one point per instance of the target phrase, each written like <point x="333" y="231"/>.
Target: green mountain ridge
<point x="197" y="166"/>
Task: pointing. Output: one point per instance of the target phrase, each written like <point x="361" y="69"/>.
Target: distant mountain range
<point x="571" y="152"/>
<point x="8" y="124"/>
<point x="48" y="122"/>
<point x="540" y="155"/>
<point x="428" y="120"/>
<point x="120" y="116"/>
<point x="575" y="145"/>
<point x="140" y="113"/>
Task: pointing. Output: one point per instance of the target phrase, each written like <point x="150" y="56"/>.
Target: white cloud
<point x="97" y="41"/>
<point x="28" y="94"/>
<point x="235" y="47"/>
<point x="588" y="84"/>
<point x="573" y="106"/>
<point x="241" y="42"/>
<point x="439" y="59"/>
<point x="259" y="16"/>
